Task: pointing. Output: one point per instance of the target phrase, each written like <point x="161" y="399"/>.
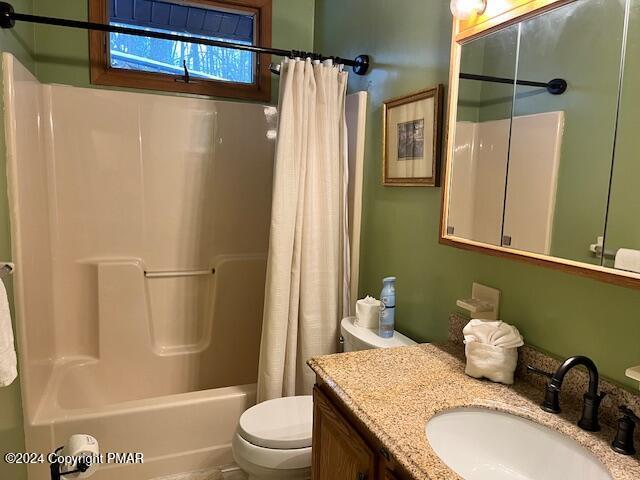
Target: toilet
<point x="358" y="338"/>
<point x="273" y="439"/>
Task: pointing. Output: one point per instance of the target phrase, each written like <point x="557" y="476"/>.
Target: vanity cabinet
<point x="341" y="450"/>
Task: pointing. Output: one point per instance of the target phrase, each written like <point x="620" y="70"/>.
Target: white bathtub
<point x="176" y="433"/>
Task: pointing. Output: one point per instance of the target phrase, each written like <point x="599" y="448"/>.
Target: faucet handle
<point x="627" y="412"/>
<point x="551" y="402"/>
<point x="537" y="371"/>
<point x="623" y="442"/>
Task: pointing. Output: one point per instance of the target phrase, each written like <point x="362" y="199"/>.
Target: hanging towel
<point x="628" y="259"/>
<point x="8" y="363"/>
<point x="491" y="349"/>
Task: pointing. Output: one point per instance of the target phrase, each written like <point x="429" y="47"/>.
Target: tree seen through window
<point x="167" y="56"/>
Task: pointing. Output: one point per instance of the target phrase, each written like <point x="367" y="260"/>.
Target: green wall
<point x="62" y="53"/>
<point x="561" y="313"/>
<point x="20" y="42"/>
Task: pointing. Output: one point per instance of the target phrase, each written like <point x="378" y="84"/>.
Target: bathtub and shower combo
<point x="140" y="228"/>
<point x="139" y="232"/>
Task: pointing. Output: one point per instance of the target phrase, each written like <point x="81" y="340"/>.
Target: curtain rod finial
<point x="6" y="19"/>
<point x="557" y="86"/>
<point x="362" y="65"/>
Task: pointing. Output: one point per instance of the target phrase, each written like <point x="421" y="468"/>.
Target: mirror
<point x="481" y="154"/>
<point x="542" y="158"/>
<point x="623" y="214"/>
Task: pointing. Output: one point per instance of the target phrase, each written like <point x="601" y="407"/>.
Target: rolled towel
<point x="368" y="312"/>
<point x="491" y="349"/>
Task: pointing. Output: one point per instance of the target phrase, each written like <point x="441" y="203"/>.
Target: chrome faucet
<point x="592" y="399"/>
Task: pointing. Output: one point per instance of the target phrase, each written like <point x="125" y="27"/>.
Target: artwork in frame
<point x="413" y="139"/>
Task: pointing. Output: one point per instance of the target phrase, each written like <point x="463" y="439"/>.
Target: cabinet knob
<point x="361" y="476"/>
<point x="385" y="454"/>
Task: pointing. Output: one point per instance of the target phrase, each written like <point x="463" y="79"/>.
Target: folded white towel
<point x="487" y="361"/>
<point x="628" y="259"/>
<point x="491" y="349"/>
<point x="8" y="363"/>
<point x="368" y="312"/>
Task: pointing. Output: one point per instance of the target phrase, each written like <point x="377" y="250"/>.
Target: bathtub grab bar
<point x="179" y="273"/>
<point x="6" y="269"/>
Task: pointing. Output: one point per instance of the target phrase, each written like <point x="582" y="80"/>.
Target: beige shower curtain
<point x="308" y="251"/>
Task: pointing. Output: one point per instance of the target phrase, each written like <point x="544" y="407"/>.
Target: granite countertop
<point x="394" y="392"/>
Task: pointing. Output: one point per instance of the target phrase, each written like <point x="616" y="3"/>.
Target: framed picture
<point x="412" y="139"/>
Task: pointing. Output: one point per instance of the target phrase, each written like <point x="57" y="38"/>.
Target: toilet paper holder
<point x="78" y="458"/>
<point x="55" y="467"/>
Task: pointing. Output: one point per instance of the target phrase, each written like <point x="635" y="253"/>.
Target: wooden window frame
<point x="103" y="74"/>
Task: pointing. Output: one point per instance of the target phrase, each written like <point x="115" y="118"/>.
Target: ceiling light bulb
<point x="464" y="9"/>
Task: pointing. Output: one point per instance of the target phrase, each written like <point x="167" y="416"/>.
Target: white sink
<point x="481" y="444"/>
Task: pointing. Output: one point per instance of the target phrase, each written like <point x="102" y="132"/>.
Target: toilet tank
<point x="360" y="338"/>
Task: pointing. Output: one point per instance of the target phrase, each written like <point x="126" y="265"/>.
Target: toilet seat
<point x="280" y="424"/>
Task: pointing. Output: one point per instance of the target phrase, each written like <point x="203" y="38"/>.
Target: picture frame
<point x="412" y="139"/>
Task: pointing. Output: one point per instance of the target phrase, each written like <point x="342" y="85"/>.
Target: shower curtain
<point x="307" y="285"/>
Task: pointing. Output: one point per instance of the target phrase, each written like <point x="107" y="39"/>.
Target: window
<point x="142" y="62"/>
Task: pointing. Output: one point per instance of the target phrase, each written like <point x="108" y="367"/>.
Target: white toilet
<point x="273" y="440"/>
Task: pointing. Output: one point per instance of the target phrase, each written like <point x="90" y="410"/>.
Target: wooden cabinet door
<point x="339" y="453"/>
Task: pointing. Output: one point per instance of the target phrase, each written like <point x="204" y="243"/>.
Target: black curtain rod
<point x="557" y="86"/>
<point x="9" y="17"/>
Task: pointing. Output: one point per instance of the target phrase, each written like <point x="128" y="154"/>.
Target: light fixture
<point x="463" y="9"/>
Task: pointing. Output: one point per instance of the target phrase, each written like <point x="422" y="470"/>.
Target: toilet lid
<point x="283" y="423"/>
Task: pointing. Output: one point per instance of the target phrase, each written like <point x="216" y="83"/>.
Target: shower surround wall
<point x="105" y="186"/>
<point x="486" y="202"/>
